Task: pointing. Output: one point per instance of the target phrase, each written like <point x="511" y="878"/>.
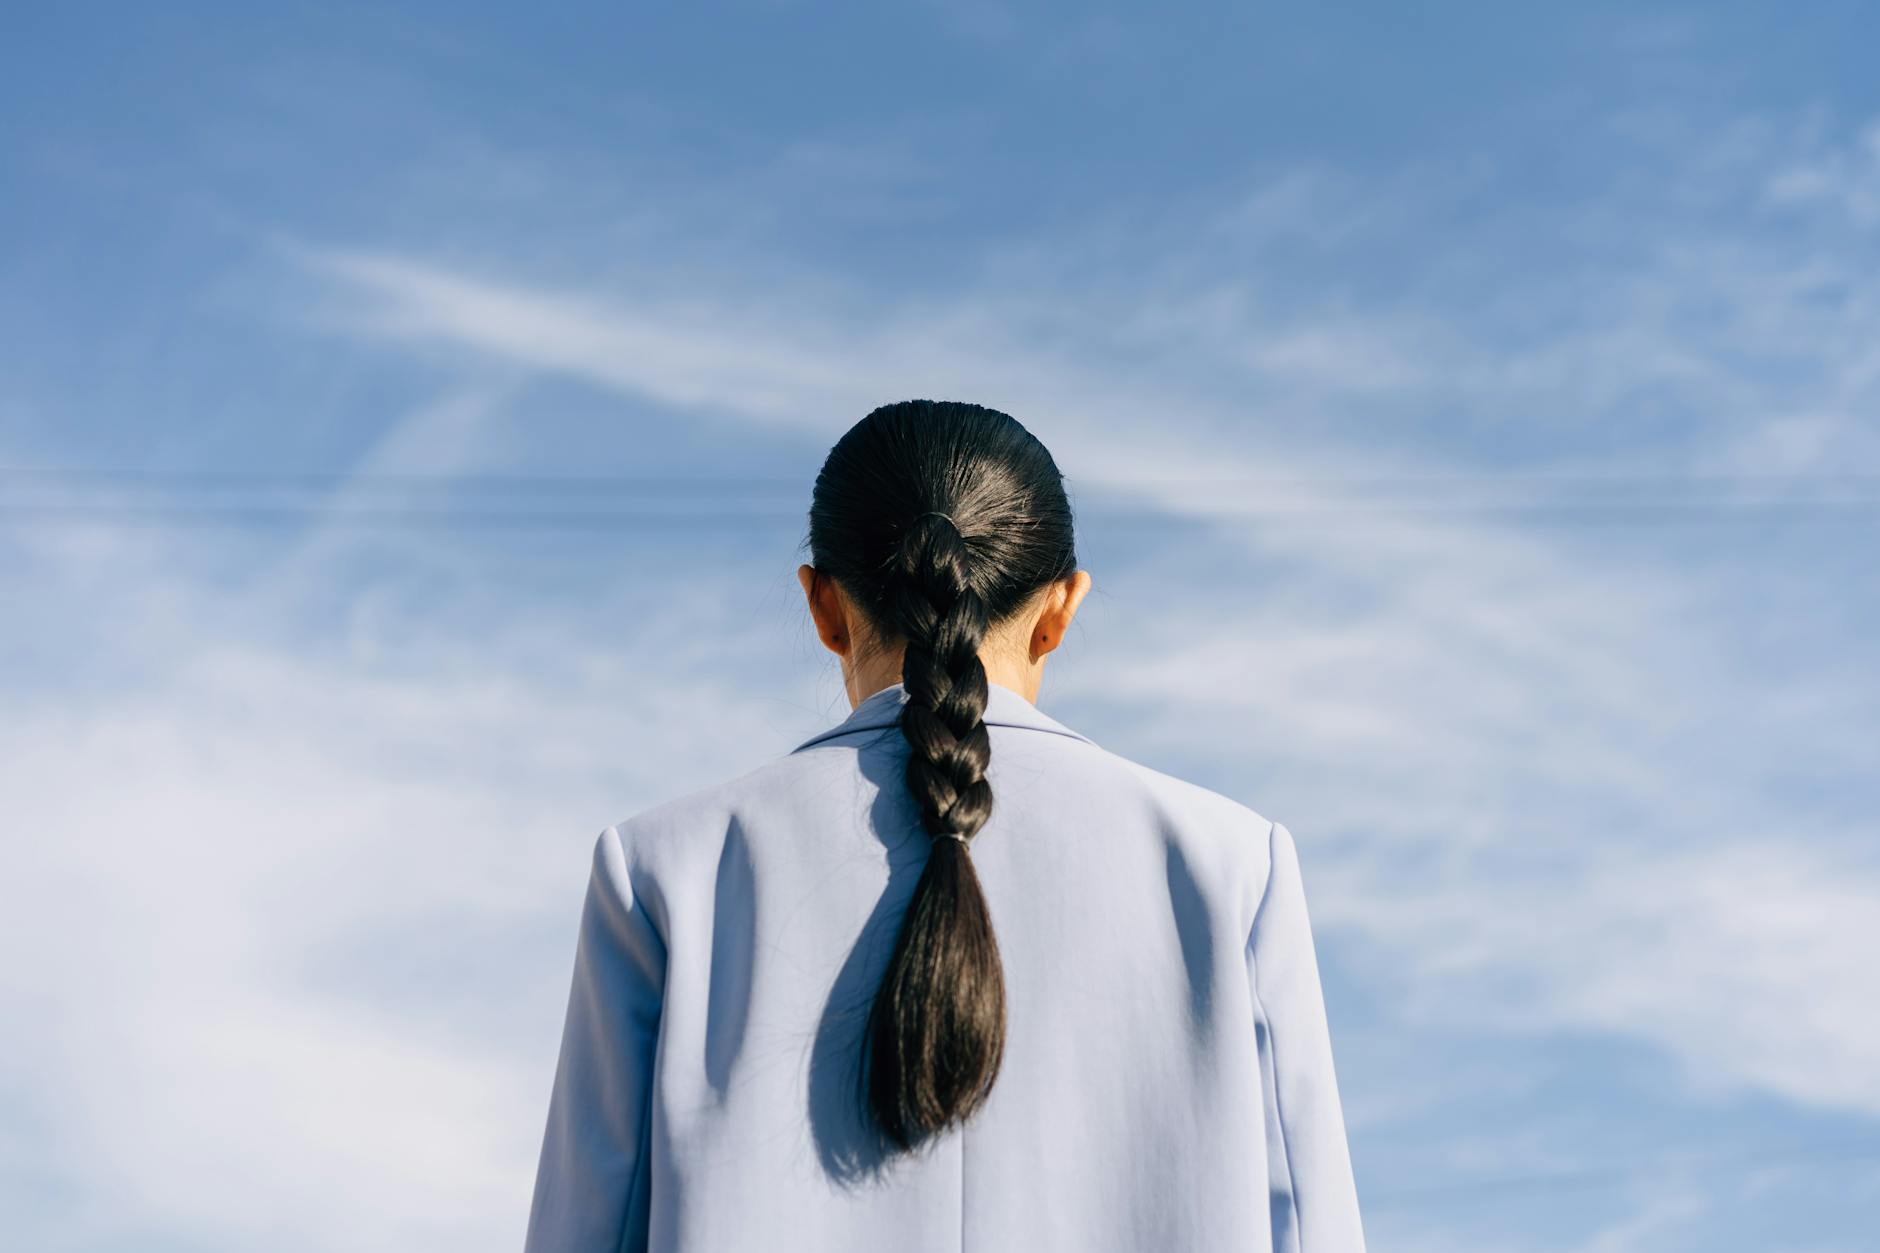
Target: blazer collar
<point x="1004" y="707"/>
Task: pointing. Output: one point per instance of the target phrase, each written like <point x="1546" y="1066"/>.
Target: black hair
<point x="940" y="519"/>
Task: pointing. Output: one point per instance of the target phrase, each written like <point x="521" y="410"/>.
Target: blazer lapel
<point x="1004" y="707"/>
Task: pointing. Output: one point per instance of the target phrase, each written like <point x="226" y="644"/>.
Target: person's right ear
<point x="1061" y="602"/>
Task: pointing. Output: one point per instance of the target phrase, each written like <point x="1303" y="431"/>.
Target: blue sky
<point x="406" y="422"/>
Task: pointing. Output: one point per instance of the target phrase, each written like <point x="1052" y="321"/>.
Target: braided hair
<point x="940" y="519"/>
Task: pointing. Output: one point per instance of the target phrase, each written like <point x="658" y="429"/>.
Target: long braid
<point x="944" y="622"/>
<point x="939" y="583"/>
<point x="937" y="1032"/>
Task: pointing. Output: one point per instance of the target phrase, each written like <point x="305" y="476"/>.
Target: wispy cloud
<point x="1545" y="783"/>
<point x="1434" y="656"/>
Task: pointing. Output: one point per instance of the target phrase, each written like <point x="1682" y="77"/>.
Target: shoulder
<point x="1220" y="837"/>
<point x="653" y="852"/>
<point x="688" y="830"/>
<point x="1192" y="797"/>
<point x="682" y="818"/>
<point x="1242" y="842"/>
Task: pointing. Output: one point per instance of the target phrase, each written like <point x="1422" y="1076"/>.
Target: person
<point x="947" y="975"/>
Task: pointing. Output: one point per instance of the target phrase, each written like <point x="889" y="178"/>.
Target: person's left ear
<point x="828" y="609"/>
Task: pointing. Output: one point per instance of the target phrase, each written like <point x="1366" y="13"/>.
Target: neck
<point x="883" y="670"/>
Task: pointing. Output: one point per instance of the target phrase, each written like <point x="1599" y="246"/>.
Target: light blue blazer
<point x="1167" y="1083"/>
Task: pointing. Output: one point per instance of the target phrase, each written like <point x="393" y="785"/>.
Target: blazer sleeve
<point x="591" y="1184"/>
<point x="1313" y="1196"/>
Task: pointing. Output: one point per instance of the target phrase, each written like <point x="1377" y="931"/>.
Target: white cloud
<point x="278" y="908"/>
<point x="216" y="843"/>
<point x="1843" y="177"/>
<point x="1470" y="674"/>
<point x="1745" y="959"/>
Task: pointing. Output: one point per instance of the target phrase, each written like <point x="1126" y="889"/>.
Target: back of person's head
<point x="940" y="520"/>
